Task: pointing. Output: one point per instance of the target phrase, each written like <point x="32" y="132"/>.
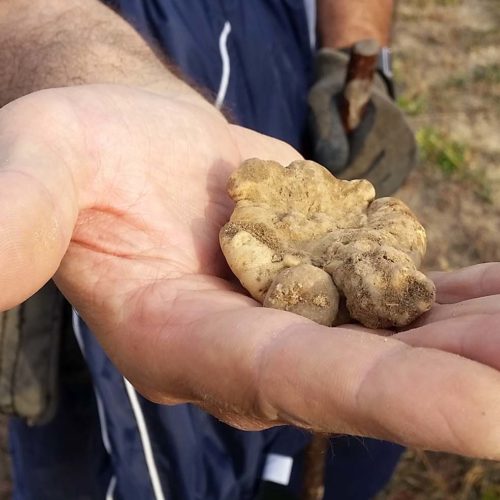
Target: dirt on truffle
<point x="367" y="251"/>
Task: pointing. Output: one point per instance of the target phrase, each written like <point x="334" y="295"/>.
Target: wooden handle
<point x="358" y="83"/>
<point x="313" y="487"/>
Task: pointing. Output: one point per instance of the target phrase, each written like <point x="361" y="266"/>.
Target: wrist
<point x="343" y="23"/>
<point x="348" y="39"/>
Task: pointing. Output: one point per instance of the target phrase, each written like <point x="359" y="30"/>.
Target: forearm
<point x="55" y="43"/>
<point x="344" y="22"/>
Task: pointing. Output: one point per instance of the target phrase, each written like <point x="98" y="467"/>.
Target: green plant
<point x="491" y="493"/>
<point x="412" y="106"/>
<point x="447" y="154"/>
<point x="452" y="158"/>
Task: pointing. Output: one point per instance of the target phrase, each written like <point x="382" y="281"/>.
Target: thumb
<point x="38" y="204"/>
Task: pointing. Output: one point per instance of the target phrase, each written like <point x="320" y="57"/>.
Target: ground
<point x="447" y="67"/>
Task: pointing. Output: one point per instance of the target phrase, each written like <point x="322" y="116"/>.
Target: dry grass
<point x="438" y="476"/>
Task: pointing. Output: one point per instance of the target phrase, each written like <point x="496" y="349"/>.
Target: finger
<point x="483" y="305"/>
<point x="373" y="386"/>
<point x="256" y="367"/>
<point x="468" y="283"/>
<point x="254" y="145"/>
<point x="476" y="337"/>
<point x="38" y="202"/>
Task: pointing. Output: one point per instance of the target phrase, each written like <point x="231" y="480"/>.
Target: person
<point x="125" y="185"/>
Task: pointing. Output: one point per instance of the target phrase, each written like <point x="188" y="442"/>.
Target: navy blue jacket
<point x="268" y="48"/>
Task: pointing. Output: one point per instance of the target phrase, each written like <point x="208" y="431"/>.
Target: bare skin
<point x="55" y="43"/>
<point x="129" y="220"/>
<point x="341" y="23"/>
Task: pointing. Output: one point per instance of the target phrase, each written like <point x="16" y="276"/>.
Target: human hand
<point x="121" y="194"/>
<point x="381" y="147"/>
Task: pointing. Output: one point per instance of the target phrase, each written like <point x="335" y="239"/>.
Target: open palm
<point x="121" y="194"/>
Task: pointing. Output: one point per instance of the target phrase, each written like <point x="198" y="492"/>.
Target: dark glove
<point x="381" y="149"/>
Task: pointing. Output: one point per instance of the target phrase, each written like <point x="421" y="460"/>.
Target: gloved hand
<point x="381" y="149"/>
